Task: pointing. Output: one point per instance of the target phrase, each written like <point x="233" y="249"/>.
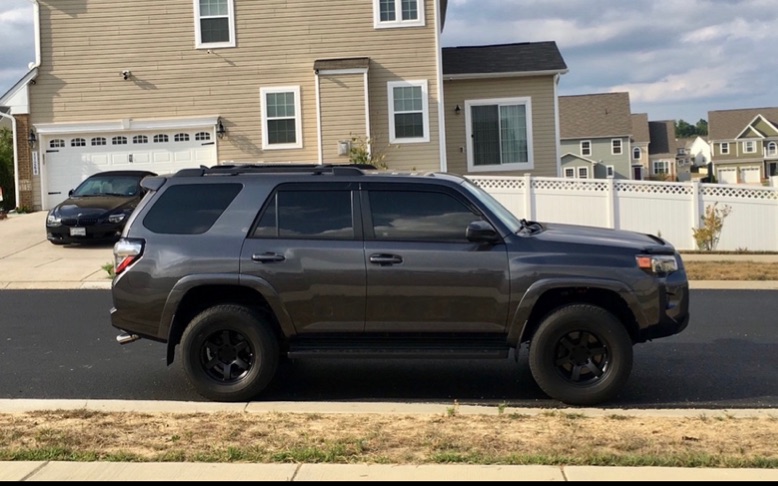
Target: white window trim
<point x="378" y="24"/>
<point x="529" y="165"/>
<point x="569" y="173"/>
<point x="230" y="20"/>
<point x="584" y="170"/>
<point x="424" y="109"/>
<point x="666" y="165"/>
<point x="266" y="145"/>
<point x="747" y="144"/>
<point x="583" y="151"/>
<point x="610" y="171"/>
<point x="724" y="148"/>
<point x="637" y="151"/>
<point x="613" y="146"/>
<point x="771" y="150"/>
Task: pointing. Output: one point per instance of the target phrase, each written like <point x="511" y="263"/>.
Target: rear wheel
<point x="581" y="355"/>
<point x="229" y="353"/>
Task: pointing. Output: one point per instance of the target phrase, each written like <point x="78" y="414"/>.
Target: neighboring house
<point x="168" y="85"/>
<point x="641" y="139"/>
<point x="662" y="151"/>
<point x="692" y="157"/>
<point x="744" y="144"/>
<point x="596" y="136"/>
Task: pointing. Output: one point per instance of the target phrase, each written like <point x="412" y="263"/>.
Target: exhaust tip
<point x="126" y="338"/>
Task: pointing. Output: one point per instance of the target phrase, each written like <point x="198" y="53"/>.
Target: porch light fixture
<point x="220" y="130"/>
<point x="32" y="138"/>
<point x="458" y="110"/>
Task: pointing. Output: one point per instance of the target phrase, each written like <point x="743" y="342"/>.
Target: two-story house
<point x="744" y="144"/>
<point x="596" y="136"/>
<point x="662" y="151"/>
<point x="641" y="139"/>
<point x="162" y="86"/>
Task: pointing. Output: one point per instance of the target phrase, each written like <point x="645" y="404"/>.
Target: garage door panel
<point x="183" y="156"/>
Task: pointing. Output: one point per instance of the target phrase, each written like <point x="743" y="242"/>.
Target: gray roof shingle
<point x="523" y="57"/>
<point x="595" y="115"/>
<point x="640" y="133"/>
<point x="662" y="138"/>
<point x="727" y="124"/>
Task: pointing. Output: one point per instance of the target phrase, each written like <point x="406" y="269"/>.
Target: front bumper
<point x="72" y="234"/>
<point x="673" y="314"/>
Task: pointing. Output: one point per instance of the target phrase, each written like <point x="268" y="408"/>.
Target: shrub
<point x="363" y="151"/>
<point x="711" y="224"/>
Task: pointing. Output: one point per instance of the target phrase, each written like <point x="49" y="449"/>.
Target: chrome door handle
<point x="267" y="257"/>
<point x="383" y="259"/>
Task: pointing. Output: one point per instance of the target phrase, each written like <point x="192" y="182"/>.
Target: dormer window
<point x="398" y="13"/>
<point x="214" y="23"/>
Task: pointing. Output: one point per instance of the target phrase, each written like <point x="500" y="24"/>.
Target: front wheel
<point x="229" y="353"/>
<point x="581" y="355"/>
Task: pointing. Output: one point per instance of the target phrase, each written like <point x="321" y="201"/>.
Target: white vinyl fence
<point x="666" y="209"/>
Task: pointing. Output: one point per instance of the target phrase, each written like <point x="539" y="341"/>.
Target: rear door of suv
<point x="423" y="275"/>
<point x="307" y="244"/>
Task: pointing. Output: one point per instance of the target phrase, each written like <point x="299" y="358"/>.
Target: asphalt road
<point x="59" y="344"/>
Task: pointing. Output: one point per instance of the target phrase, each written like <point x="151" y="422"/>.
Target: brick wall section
<point x="24" y="153"/>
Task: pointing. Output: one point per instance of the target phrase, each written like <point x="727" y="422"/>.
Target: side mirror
<point x="481" y="232"/>
<point x="70" y="193"/>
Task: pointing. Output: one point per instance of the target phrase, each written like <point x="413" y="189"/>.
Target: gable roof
<point x="526" y="58"/>
<point x="595" y="116"/>
<point x="662" y="138"/>
<point x="728" y="124"/>
<point x="640" y="133"/>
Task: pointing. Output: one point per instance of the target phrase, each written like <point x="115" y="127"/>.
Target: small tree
<point x="7" y="169"/>
<point x="363" y="151"/>
<point x="711" y="224"/>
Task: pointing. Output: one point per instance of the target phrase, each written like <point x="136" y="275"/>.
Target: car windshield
<point x="508" y="218"/>
<point x="109" y="185"/>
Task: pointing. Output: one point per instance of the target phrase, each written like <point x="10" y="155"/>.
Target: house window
<point x="749" y="147"/>
<point x="78" y="142"/>
<point x="570" y="173"/>
<point x="214" y="23"/>
<point x="181" y="137"/>
<point x="398" y="13"/>
<point x="616" y="146"/>
<point x="771" y="150"/>
<point x="583" y="172"/>
<point x="162" y="138"/>
<point x="610" y="171"/>
<point x="281" y="127"/>
<point x="661" y="167"/>
<point x="97" y="141"/>
<point x="119" y="141"/>
<point x="586" y="148"/>
<point x="724" y="148"/>
<point x="140" y="139"/>
<point x="202" y="136"/>
<point x="408" y="112"/>
<point x="636" y="153"/>
<point x="499" y="134"/>
<point x="57" y="143"/>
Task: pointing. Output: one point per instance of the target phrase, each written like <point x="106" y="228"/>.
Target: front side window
<point x="419" y="216"/>
<point x="307" y="214"/>
<point x="724" y="148"/>
<point x="190" y="209"/>
<point x="499" y="134"/>
<point x="583" y="172"/>
<point x="636" y="153"/>
<point x="408" y="112"/>
<point x="771" y="150"/>
<point x="398" y="13"/>
<point x="749" y="147"/>
<point x="616" y="147"/>
<point x="569" y="173"/>
<point x="610" y="171"/>
<point x="214" y="23"/>
<point x="661" y="167"/>
<point x="586" y="148"/>
<point x="281" y="124"/>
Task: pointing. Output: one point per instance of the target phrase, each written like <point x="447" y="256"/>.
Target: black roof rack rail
<point x="236" y="169"/>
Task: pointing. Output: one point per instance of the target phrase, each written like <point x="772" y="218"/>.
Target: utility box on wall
<point x="344" y="147"/>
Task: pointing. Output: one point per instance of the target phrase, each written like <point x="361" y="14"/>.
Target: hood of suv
<point x="587" y="235"/>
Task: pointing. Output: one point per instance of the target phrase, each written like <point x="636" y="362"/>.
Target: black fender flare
<point x="518" y="326"/>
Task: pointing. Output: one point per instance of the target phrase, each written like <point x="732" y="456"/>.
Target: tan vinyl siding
<point x="544" y="136"/>
<point x="343" y="112"/>
<point x="86" y="45"/>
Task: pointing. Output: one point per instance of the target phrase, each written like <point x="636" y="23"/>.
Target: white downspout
<point x="36" y="16"/>
<point x="441" y="97"/>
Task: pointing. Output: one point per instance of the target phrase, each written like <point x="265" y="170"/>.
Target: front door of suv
<point x="307" y="246"/>
<point x="423" y="275"/>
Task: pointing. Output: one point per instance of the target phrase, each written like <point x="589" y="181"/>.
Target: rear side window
<point x="307" y="214"/>
<point x="190" y="209"/>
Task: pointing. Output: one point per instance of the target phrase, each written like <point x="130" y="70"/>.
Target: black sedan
<point x="97" y="209"/>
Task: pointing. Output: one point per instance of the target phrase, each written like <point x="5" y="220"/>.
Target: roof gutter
<point x="516" y="74"/>
<point x="37" y="21"/>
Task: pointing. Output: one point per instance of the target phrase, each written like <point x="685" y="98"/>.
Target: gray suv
<point x="241" y="267"/>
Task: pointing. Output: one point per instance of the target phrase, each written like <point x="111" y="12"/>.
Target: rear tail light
<point x="125" y="253"/>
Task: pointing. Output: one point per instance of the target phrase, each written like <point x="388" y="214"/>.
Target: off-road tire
<point x="581" y="355"/>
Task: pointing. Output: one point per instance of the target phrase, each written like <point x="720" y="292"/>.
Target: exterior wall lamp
<point x="31" y="139"/>
<point x="220" y="130"/>
<point x="458" y="110"/>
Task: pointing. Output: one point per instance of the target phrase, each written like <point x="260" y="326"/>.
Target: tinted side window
<point x="190" y="209"/>
<point x="425" y="216"/>
<point x="308" y="214"/>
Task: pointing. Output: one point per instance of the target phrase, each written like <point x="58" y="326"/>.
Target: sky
<point x="677" y="59"/>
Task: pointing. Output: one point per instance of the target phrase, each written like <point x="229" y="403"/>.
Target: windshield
<point x="508" y="218"/>
<point x="109" y="185"/>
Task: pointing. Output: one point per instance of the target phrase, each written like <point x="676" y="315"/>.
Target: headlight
<point x="116" y="218"/>
<point x="52" y="220"/>
<point x="657" y="264"/>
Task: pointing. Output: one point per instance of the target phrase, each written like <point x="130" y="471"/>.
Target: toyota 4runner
<point x="240" y="267"/>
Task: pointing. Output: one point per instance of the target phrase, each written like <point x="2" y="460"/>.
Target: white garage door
<point x="728" y="176"/>
<point x="68" y="160"/>
<point x="751" y="175"/>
